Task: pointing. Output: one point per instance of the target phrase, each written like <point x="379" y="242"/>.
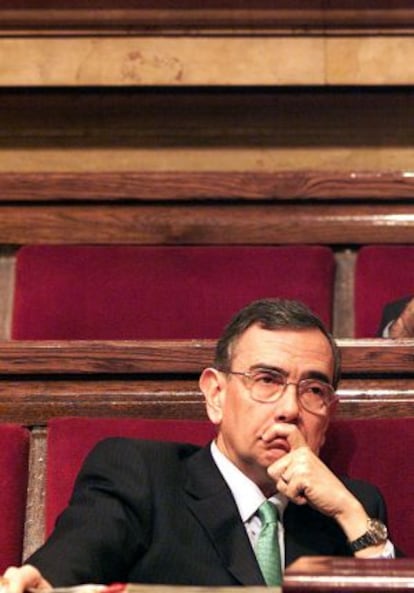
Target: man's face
<point x="299" y="354"/>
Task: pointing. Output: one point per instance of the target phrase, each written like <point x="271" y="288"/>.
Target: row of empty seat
<point x="354" y="447"/>
<point x="163" y="292"/>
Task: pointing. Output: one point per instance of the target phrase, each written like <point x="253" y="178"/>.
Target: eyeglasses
<point x="268" y="385"/>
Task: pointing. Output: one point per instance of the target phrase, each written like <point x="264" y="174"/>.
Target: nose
<point x="287" y="406"/>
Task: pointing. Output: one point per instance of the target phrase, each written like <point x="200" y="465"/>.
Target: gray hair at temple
<point x="272" y="314"/>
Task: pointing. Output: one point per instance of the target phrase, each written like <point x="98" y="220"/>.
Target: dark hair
<point x="271" y="314"/>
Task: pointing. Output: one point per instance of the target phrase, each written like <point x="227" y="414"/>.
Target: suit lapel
<point x="211" y="501"/>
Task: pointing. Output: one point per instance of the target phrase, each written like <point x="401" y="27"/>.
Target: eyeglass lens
<point x="267" y="385"/>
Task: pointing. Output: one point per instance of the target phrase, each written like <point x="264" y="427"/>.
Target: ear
<point x="213" y="385"/>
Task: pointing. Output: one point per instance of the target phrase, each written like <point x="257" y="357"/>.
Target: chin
<point x="274" y="454"/>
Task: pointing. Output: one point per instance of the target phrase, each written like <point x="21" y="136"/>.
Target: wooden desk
<point x="324" y="574"/>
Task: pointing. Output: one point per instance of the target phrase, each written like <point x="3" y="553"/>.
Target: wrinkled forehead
<point x="284" y="347"/>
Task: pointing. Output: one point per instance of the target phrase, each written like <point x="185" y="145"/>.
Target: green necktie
<point x="267" y="546"/>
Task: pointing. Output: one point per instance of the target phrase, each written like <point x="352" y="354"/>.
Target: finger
<point x="284" y="430"/>
<point x="296" y="439"/>
<point x="281" y="472"/>
<point x="4" y="584"/>
<point x="292" y="489"/>
<point x="22" y="578"/>
<point x="279" y="467"/>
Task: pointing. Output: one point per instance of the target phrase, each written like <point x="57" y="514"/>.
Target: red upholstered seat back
<point x="70" y="439"/>
<point x="384" y="273"/>
<point x="381" y="451"/>
<point x="377" y="450"/>
<point x="158" y="292"/>
<point x="14" y="450"/>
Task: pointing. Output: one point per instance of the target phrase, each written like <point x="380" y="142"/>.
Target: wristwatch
<point x="376" y="533"/>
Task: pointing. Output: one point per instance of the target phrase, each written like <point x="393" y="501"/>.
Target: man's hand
<point x="17" y="580"/>
<point x="304" y="479"/>
<point x="403" y="326"/>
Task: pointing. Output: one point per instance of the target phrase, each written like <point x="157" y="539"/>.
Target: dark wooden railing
<point x="323" y="575"/>
<point x="207" y="208"/>
<point x="40" y="380"/>
<point x="158" y="16"/>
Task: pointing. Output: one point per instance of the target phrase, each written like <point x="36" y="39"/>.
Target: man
<point x="177" y="514"/>
<point x="398" y="319"/>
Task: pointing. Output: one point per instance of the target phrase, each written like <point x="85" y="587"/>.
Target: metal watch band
<point x="376" y="534"/>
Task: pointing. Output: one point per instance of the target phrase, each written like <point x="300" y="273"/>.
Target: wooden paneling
<point x="40" y="380"/>
<point x="34" y="527"/>
<point x="184" y="15"/>
<point x="344" y="288"/>
<point x="235" y="119"/>
<point x="327" y="574"/>
<point x="6" y="292"/>
<point x="255" y="224"/>
<point x="366" y="358"/>
<point x="301" y="186"/>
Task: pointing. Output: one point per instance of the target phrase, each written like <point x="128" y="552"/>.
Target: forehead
<point x="287" y="348"/>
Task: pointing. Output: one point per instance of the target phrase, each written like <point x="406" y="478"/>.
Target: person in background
<point x="178" y="514"/>
<point x="398" y="319"/>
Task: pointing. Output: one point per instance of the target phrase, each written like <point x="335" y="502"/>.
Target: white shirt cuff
<point x="388" y="551"/>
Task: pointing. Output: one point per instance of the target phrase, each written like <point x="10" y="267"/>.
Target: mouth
<point x="279" y="443"/>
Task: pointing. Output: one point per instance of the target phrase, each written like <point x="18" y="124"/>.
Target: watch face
<point x="377" y="530"/>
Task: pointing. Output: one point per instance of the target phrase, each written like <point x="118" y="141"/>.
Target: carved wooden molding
<point x="364" y="357"/>
<point x="314" y="207"/>
<point x="132" y="16"/>
<point x="326" y="574"/>
<point x="208" y="223"/>
<point x="208" y="185"/>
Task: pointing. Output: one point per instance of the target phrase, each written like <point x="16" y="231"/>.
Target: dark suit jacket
<point x="150" y="512"/>
<point x="392" y="311"/>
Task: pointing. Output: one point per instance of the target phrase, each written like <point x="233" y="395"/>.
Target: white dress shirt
<point x="248" y="498"/>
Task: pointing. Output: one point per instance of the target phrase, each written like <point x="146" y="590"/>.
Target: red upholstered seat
<point x="381" y="451"/>
<point x="384" y="273"/>
<point x="72" y="438"/>
<point x="14" y="450"/>
<point x="376" y="450"/>
<point x="158" y="292"/>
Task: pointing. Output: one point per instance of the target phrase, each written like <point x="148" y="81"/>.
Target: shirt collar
<point x="246" y="493"/>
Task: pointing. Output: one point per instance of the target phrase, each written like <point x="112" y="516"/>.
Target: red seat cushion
<point x="371" y="449"/>
<point x="384" y="273"/>
<point x="159" y="292"/>
<point x="14" y="450"/>
<point x="379" y="450"/>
